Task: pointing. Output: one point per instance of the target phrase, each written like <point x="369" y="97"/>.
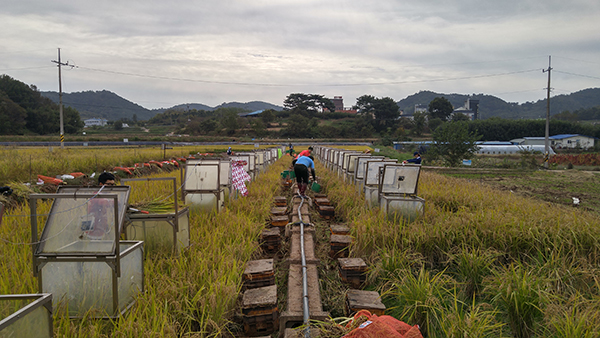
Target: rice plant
<point x="519" y="295"/>
<point x="577" y="317"/>
<point x="192" y="294"/>
<point x="471" y="267"/>
<point x="471" y="320"/>
<point x="418" y="298"/>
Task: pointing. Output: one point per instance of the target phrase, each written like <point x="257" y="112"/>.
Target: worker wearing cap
<point x="301" y="167"/>
<point x="415" y="160"/>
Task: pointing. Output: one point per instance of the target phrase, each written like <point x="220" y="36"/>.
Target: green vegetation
<point x="440" y="108"/>
<point x="480" y="262"/>
<point x="24" y="111"/>
<point x="193" y="294"/>
<point x="454" y="142"/>
<point x="491" y="106"/>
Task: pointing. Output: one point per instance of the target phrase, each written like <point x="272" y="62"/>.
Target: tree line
<point x="24" y="111"/>
<point x="313" y="116"/>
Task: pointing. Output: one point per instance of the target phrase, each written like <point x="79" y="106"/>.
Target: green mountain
<point x="101" y="104"/>
<point x="248" y="106"/>
<point x="23" y="110"/>
<point x="491" y="106"/>
<point x="110" y="106"/>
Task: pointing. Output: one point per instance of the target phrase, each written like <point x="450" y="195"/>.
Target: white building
<point x="529" y="141"/>
<point x="572" y="141"/>
<point x="470" y="109"/>
<point x="94" y="122"/>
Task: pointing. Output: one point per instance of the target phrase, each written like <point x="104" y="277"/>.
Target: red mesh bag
<point x="49" y="180"/>
<point x="382" y="326"/>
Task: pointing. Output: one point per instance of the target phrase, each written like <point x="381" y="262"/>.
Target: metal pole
<point x="547" y="135"/>
<point x="60" y="105"/>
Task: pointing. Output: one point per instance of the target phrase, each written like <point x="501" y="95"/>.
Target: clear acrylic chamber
<point x="79" y="258"/>
<point x="160" y="232"/>
<point x="26" y="316"/>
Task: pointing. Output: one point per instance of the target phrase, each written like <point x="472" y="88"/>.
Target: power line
<point x="574" y="74"/>
<point x="298" y="85"/>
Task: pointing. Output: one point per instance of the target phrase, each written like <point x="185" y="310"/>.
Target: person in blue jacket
<point x="303" y="163"/>
<point x="415" y="160"/>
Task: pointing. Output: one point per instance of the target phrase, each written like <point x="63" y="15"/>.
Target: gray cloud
<point x="165" y="53"/>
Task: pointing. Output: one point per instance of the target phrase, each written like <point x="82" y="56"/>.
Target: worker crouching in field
<point x="415" y="160"/>
<point x="303" y="163"/>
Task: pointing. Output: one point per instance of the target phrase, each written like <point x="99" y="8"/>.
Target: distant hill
<point x="491" y="106"/>
<point x="251" y="106"/>
<point x="108" y="105"/>
<point x="188" y="106"/>
<point x="101" y="104"/>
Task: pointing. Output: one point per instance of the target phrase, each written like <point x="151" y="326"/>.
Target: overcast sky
<point x="164" y="53"/>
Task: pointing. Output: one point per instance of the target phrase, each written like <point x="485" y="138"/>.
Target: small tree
<point x="441" y="108"/>
<point x="310" y="103"/>
<point x="419" y="120"/>
<point x="229" y="119"/>
<point x="454" y="142"/>
<point x="267" y="116"/>
<point x="384" y="111"/>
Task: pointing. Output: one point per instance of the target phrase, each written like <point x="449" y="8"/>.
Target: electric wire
<point x="307" y="84"/>
<point x="574" y="74"/>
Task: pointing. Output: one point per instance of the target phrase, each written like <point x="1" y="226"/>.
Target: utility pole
<point x="60" y="105"/>
<point x="547" y="138"/>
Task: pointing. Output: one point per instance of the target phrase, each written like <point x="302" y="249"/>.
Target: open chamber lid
<point x="400" y="179"/>
<point x="202" y="175"/>
<point x="361" y="166"/>
<point x="224" y="167"/>
<point x="82" y="221"/>
<point x="372" y="171"/>
<point x="346" y="159"/>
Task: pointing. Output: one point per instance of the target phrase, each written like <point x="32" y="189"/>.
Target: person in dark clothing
<point x="415" y="160"/>
<point x="301" y="167"/>
<point x="106" y="179"/>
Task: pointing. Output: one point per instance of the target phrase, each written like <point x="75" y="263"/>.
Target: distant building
<point x="419" y="108"/>
<point x="338" y="102"/>
<point x="470" y="109"/>
<point x="529" y="141"/>
<point x="252" y="114"/>
<point x="561" y="141"/>
<point x="572" y="141"/>
<point x="94" y="122"/>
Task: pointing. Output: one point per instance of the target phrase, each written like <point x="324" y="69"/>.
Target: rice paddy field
<point x="481" y="262"/>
